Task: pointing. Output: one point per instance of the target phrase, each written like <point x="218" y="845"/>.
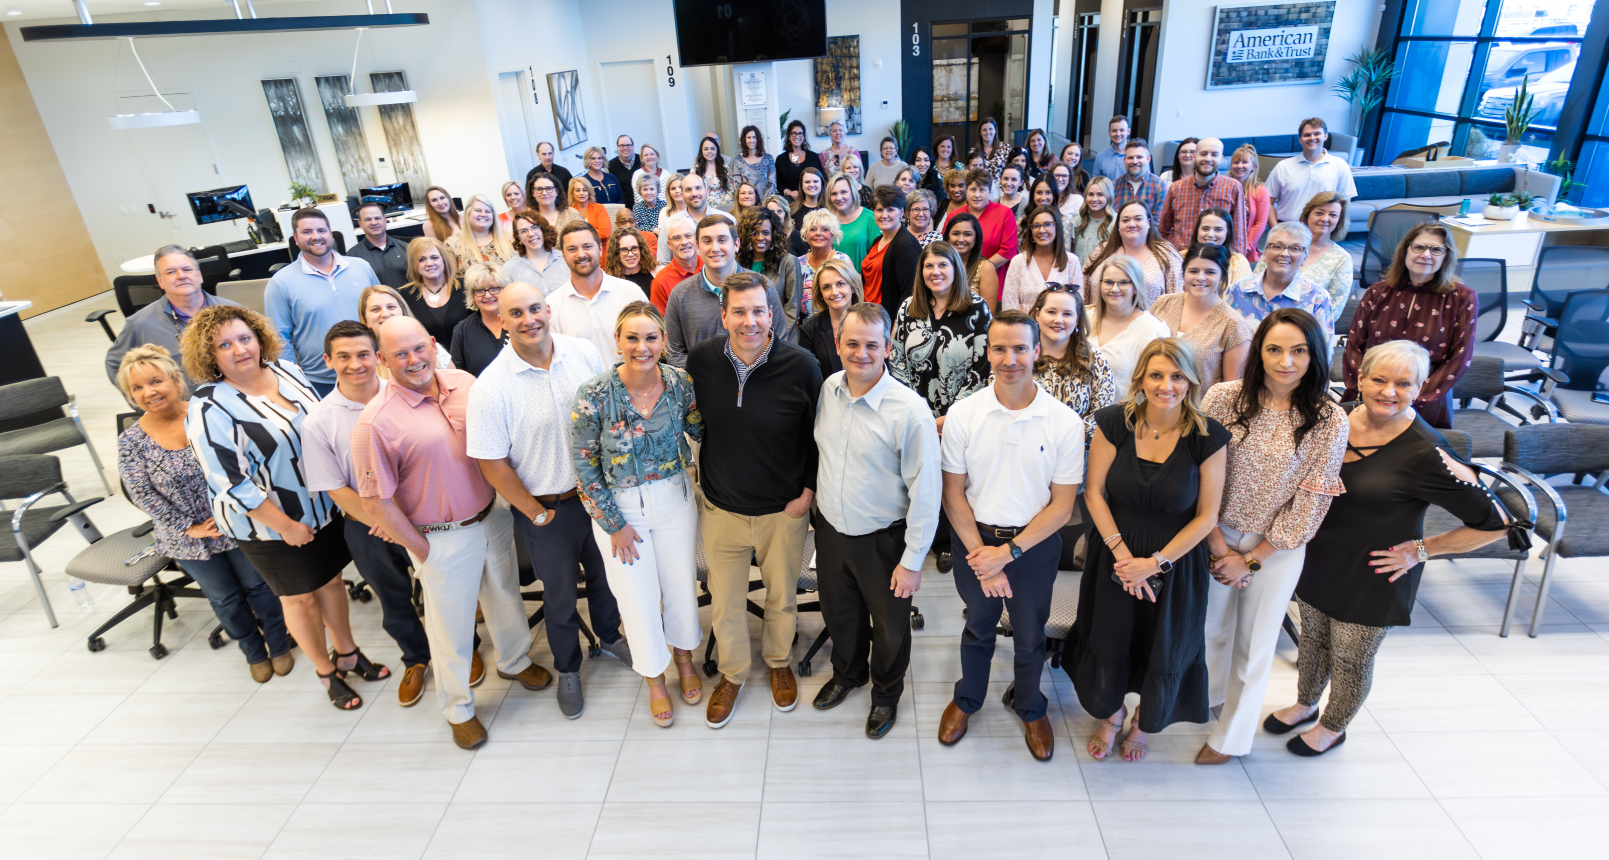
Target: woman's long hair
<point x="1252" y="182"/>
<point x="438" y="224"/>
<point x="1158" y="246"/>
<point x="700" y="165"/>
<point x="1078" y="362"/>
<point x="1026" y="239"/>
<point x="1229" y="221"/>
<point x="1108" y="218"/>
<point x="462" y="243"/>
<point x="1311" y="397"/>
<point x="561" y="195"/>
<point x="821" y="196"/>
<point x="787" y="135"/>
<point x="960" y="297"/>
<point x="1444" y="281"/>
<point x="748" y="229"/>
<point x="1178" y="166"/>
<point x="612" y="264"/>
<point x="1216" y="254"/>
<point x="416" y="249"/>
<point x="974" y="256"/>
<point x="1183" y="356"/>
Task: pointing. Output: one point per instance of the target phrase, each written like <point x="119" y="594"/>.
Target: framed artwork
<point x="564" y="90"/>
<point x="838" y="82"/>
<point x="295" y="140"/>
<point x="402" y="135"/>
<point x="346" y="132"/>
<point x="1269" y="44"/>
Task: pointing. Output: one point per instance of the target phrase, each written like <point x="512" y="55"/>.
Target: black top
<point x="798" y="226"/>
<point x="816" y="337"/>
<point x="935" y="183"/>
<point x="622" y="173"/>
<point x="899" y="271"/>
<point x="1120" y="644"/>
<point x="558" y="172"/>
<point x="473" y="346"/>
<point x="642" y="279"/>
<point x="1387" y="493"/>
<point x="759" y="448"/>
<point x="439" y="322"/>
<point x="788" y="172"/>
<point x="389" y="265"/>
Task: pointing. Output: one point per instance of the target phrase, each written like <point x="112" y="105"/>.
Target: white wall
<point x="877" y="23"/>
<point x="506" y="44"/>
<point x="625" y="30"/>
<point x="1186" y="108"/>
<point x="75" y="85"/>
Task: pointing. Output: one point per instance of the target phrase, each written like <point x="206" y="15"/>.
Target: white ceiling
<point x="43" y="10"/>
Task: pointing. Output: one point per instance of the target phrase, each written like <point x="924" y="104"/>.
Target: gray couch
<point x="1379" y="189"/>
<point x="1268" y="145"/>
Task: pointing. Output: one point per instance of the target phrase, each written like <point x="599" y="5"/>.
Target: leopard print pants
<point x="1340" y="655"/>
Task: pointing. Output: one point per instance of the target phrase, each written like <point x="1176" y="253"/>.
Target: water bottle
<point x="80" y="591"/>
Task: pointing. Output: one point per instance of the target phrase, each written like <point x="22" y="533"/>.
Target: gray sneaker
<point x="570" y="699"/>
<point x="618" y="649"/>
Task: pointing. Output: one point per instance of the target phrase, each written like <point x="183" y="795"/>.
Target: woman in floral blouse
<point x="631" y="454"/>
<point x="164" y="480"/>
<point x="1070" y="368"/>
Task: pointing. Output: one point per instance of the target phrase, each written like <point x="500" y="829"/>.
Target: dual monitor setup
<point x="234" y="202"/>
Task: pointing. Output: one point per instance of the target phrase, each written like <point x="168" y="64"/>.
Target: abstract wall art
<point x="564" y="89"/>
<point x="402" y="135"/>
<point x="838" y="81"/>
<point x="346" y="130"/>
<point x="290" y="123"/>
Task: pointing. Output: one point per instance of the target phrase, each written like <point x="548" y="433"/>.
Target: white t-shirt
<point x="594" y="319"/>
<point x="1123" y="351"/>
<point x="1011" y="458"/>
<point x="1295" y="180"/>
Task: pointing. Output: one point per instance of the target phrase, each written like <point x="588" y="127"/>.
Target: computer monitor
<point x="208" y="205"/>
<point x="396" y="197"/>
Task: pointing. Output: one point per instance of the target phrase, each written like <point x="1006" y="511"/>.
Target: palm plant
<point x="1365" y="86"/>
<point x="901" y="132"/>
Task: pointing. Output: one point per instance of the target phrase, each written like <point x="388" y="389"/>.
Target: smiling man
<point x="386" y="256"/>
<point x="1295" y="180"/>
<point x="1203" y="189"/>
<point x="162" y="321"/>
<point x="693" y="308"/>
<point x="318" y="290"/>
<point x="589" y="304"/>
<point x="681" y="232"/>
<point x="625" y="162"/>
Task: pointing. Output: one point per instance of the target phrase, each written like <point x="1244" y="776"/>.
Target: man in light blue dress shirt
<point x="878" y="489"/>
<point x="316" y="291"/>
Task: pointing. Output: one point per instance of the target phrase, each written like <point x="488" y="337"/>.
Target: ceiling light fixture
<point x="13" y="10"/>
<point x="152" y="3"/>
<point x="356" y="99"/>
<point x="171" y="116"/>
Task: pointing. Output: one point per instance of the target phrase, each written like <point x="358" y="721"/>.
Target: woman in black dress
<point x="1363" y="566"/>
<point x="1155" y="478"/>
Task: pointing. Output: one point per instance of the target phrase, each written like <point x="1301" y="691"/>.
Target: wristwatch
<point x="1162" y="564"/>
<point x="1421" y="550"/>
<point x="1016" y="551"/>
<point x="1252" y="564"/>
<point x="542" y="518"/>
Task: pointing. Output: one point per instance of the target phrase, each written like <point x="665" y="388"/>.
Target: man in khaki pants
<point x="757" y="468"/>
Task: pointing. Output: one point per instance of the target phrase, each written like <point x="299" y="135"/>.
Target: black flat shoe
<point x="1300" y="747"/>
<point x="832" y="695"/>
<point x="945" y="562"/>
<point x="880" y="720"/>
<point x="1273" y="726"/>
<point x="1010" y="697"/>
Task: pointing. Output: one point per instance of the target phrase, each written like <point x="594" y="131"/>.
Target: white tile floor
<point x="1469" y="746"/>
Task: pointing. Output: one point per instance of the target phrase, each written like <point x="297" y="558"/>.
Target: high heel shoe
<point x="367" y="670"/>
<point x="341" y="696"/>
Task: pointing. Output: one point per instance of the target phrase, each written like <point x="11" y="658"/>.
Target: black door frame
<point x="917" y="18"/>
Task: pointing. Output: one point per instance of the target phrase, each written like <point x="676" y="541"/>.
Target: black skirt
<point x="291" y="570"/>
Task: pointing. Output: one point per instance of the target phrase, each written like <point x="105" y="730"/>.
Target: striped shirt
<point x="1185" y="201"/>
<point x="409" y="447"/>
<point x="250" y="450"/>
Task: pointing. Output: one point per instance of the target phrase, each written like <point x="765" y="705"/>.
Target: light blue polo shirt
<point x="303" y="303"/>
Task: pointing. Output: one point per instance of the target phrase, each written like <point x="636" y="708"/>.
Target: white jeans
<point x="466" y="565"/>
<point x="657" y="593"/>
<point x="1242" y="632"/>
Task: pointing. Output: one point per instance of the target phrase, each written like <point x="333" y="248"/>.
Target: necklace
<point x="1155" y="434"/>
<point x="436" y="292"/>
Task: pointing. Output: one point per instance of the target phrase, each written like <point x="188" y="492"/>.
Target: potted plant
<point x="1517" y="118"/>
<point x="1564" y="168"/>
<point x="1364" y="88"/>
<point x="302" y="195"/>
<point x="901" y="132"/>
<point x="1505" y="207"/>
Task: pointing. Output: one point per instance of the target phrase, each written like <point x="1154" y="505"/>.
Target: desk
<point x="255" y="263"/>
<point x="1520" y="241"/>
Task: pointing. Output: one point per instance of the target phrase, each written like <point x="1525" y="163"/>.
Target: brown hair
<point x="611" y="255"/>
<point x="199" y="335"/>
<point x="438" y="224"/>
<point x="1114" y="243"/>
<point x="1324" y="198"/>
<point x="1396" y="277"/>
<point x="1078" y="362"/>
<point x="960" y="298"/>
<point x="742" y="281"/>
<point x="531" y="215"/>
<point x="1059" y="244"/>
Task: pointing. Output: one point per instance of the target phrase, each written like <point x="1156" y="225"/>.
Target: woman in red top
<point x="999" y="225"/>
<point x="1422" y="301"/>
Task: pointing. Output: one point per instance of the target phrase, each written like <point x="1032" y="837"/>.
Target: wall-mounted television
<point x="711" y="32"/>
<point x="396" y="197"/>
<point x="208" y="206"/>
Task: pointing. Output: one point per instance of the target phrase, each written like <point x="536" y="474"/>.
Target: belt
<point x="447" y="527"/>
<point x="552" y="499"/>
<point x="1001" y="532"/>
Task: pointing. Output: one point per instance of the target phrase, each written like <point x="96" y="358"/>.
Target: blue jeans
<point x="248" y="610"/>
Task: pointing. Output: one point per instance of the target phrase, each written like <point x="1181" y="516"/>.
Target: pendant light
<point x="357" y="99"/>
<point x="171" y="116"/>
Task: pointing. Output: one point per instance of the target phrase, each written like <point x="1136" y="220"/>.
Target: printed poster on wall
<point x="1269" y="44"/>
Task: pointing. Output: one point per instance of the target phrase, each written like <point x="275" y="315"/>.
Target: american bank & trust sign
<point x="1278" y="43"/>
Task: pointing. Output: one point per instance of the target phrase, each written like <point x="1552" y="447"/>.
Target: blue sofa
<point x="1438" y="187"/>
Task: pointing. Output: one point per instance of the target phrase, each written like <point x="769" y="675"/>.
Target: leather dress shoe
<point x="723" y="703"/>
<point x="413" y="685"/>
<point x="469" y="734"/>
<point x="1041" y="740"/>
<point x="1208" y="755"/>
<point x="477" y="669"/>
<point x="533" y="678"/>
<point x="880" y="720"/>
<point x="784" y="689"/>
<point x="945" y="563"/>
<point x="832" y="695"/>
<point x="953" y="725"/>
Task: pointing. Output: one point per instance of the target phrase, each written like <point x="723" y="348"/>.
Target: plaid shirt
<point x="1153" y="192"/>
<point x="1185" y="201"/>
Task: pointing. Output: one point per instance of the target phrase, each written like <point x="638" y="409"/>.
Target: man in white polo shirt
<point x="1013" y="457"/>
<point x="589" y="304"/>
<point x="1295" y="180"/>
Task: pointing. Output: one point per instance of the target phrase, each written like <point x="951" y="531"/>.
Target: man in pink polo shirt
<point x="428" y="495"/>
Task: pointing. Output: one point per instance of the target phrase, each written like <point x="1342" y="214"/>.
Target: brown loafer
<point x="1041" y="740"/>
<point x="282" y="663"/>
<point x="413" y="685"/>
<point x="784" y="689"/>
<point x="953" y="725"/>
<point x="262" y="671"/>
<point x="477" y="669"/>
<point x="723" y="703"/>
<point x="533" y="678"/>
<point x="1208" y="755"/>
<point x="469" y="734"/>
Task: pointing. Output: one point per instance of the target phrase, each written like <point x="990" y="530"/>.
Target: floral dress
<point x="942" y="360"/>
<point x="615" y="448"/>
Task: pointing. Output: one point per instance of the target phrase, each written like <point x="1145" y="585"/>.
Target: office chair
<point x="134" y="292"/>
<point x="1484" y="381"/>
<point x="33" y="397"/>
<point x="1575" y="371"/>
<point x="1537" y="450"/>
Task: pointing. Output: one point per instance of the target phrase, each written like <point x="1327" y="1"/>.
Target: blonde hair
<point x="197" y="342"/>
<point x="586" y="158"/>
<point x="462" y="243"/>
<point x="363" y="302"/>
<point x="583" y="185"/>
<point x="843" y="269"/>
<point x="1252" y="182"/>
<point x="787" y="220"/>
<point x="417" y="249"/>
<point x="675" y="179"/>
<point x="823" y="217"/>
<point x="854" y="194"/>
<point x="1136" y="275"/>
<point x="1325" y="198"/>
<point x="153" y="356"/>
<point x="504" y="190"/>
<point x="480" y="273"/>
<point x="1178" y="351"/>
<point x="641" y="309"/>
<point x="1404" y="353"/>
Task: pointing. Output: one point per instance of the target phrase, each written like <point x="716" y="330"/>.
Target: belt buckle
<point x="1005" y="534"/>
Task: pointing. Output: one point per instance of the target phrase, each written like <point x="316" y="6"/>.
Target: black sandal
<point x="368" y="671"/>
<point x="341" y="695"/>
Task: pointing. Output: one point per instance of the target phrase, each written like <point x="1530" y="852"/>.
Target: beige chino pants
<point x="730" y="540"/>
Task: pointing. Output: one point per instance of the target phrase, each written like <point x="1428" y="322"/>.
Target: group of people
<point x="884" y="388"/>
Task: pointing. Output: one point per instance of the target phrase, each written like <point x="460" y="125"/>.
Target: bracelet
<point x="1109" y="541"/>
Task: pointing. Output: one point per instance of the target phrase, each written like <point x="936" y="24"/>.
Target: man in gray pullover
<point x="693" y="311"/>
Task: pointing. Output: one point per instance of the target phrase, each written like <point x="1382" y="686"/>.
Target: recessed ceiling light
<point x="152" y="3"/>
<point x="12" y="10"/>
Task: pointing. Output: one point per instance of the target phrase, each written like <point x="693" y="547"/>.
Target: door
<point x="1088" y="39"/>
<point x="1136" y="73"/>
<point x="980" y="69"/>
<point x="631" y="103"/>
<point x="175" y="161"/>
<point x="514" y="101"/>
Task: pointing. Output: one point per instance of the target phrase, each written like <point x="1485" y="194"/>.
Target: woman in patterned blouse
<point x="711" y="165"/>
<point x="245" y="427"/>
<point x="1328" y="264"/>
<point x="1285" y="453"/>
<point x="995" y="151"/>
<point x="753" y="164"/>
<point x="630" y="448"/>
<point x="1069" y="368"/>
<point x="164" y="480"/>
<point x="1199" y="316"/>
<point x="1419" y="300"/>
<point x="1135" y="236"/>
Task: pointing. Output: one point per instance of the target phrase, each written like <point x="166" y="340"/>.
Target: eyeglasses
<point x="1048" y="228"/>
<point x="625" y="251"/>
<point x="1116" y="284"/>
<point x="485" y="291"/>
<point x="547" y="191"/>
<point x="1432" y="250"/>
<point x="919" y="210"/>
<point x="1069" y="289"/>
<point x="1280" y="248"/>
<point x="528" y="232"/>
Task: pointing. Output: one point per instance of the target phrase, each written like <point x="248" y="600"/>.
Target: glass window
<point x="1433" y="75"/>
<point x="941" y="30"/>
<point x="1401" y="132"/>
<point x="1544" y="18"/>
<point x="1444" y="17"/>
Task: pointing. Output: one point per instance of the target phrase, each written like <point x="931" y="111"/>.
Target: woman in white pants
<point x="1284" y="468"/>
<point x="631" y="456"/>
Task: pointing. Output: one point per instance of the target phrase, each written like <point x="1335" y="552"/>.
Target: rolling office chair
<point x="1488" y="278"/>
<point x="1560" y="271"/>
<point x="1579" y="358"/>
<point x="1386" y="229"/>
